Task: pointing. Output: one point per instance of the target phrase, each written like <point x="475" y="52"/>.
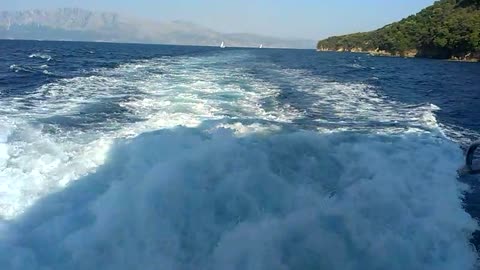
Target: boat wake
<point x="192" y="198"/>
<point x="178" y="163"/>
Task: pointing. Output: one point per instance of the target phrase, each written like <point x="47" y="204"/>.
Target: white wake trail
<point x="196" y="162"/>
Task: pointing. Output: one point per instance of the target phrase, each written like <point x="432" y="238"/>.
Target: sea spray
<point x="197" y="199"/>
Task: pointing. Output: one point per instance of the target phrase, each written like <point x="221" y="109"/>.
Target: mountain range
<point x="75" y="24"/>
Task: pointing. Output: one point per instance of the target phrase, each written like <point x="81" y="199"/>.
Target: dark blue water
<point x="127" y="156"/>
<point x="453" y="86"/>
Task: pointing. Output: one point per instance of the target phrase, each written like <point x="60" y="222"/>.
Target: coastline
<point x="469" y="58"/>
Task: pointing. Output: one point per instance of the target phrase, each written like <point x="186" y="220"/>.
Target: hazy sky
<point x="311" y="19"/>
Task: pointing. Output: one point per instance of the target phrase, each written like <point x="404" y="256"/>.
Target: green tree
<point x="445" y="29"/>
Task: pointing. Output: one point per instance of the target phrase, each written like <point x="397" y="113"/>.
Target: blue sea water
<point x="124" y="156"/>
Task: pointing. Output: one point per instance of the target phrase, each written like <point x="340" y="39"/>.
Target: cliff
<point x="449" y="29"/>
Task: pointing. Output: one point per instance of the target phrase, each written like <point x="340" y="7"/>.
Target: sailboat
<point x="261" y="46"/>
<point x="222" y="45"/>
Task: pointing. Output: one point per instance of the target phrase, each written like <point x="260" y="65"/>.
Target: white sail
<point x="222" y="45"/>
<point x="261" y="46"/>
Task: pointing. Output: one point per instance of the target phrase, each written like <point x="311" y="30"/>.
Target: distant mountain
<point x="84" y="25"/>
<point x="449" y="29"/>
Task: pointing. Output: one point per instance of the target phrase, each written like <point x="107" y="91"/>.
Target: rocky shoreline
<point x="470" y="57"/>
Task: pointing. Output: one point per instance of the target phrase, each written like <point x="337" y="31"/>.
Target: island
<point x="448" y="29"/>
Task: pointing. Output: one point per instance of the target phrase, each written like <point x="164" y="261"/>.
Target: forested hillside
<point x="449" y="29"/>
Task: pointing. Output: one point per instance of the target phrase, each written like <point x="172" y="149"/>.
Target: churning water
<point x="165" y="157"/>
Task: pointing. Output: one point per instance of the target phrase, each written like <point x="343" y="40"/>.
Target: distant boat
<point x="261" y="46"/>
<point x="222" y="45"/>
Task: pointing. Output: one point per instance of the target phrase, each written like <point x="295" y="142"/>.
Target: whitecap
<point x="41" y="56"/>
<point x="14" y="67"/>
<point x="356" y="66"/>
<point x="17" y="68"/>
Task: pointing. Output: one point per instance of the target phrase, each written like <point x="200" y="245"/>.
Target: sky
<point x="309" y="19"/>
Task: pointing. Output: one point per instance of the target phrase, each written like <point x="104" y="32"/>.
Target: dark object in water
<point x="470" y="167"/>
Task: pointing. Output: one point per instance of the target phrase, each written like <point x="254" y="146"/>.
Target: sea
<point x="130" y="156"/>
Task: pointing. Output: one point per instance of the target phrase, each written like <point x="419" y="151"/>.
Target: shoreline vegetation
<point x="449" y="29"/>
<point x="406" y="54"/>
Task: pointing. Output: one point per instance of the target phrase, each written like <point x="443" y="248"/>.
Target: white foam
<point x="168" y="92"/>
<point x="41" y="56"/>
<point x="164" y="93"/>
<point x="4" y="133"/>
<point x="360" y="107"/>
<point x="355" y="65"/>
<point x="189" y="199"/>
<point x="235" y="190"/>
<point x="240" y="129"/>
<point x="17" y="68"/>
